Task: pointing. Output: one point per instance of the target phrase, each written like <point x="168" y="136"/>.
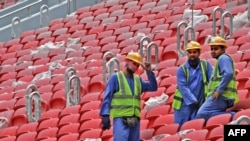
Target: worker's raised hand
<point x="147" y="66"/>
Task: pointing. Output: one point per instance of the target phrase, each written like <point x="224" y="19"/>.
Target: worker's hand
<point x="105" y="122"/>
<point x="147" y="66"/>
<point x="216" y="95"/>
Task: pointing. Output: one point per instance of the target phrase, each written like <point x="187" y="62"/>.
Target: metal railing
<point x="149" y="53"/>
<point x="33" y="94"/>
<point x="69" y="6"/>
<point x="15" y="20"/>
<point x="72" y="87"/>
<point x="42" y="8"/>
<point x="223" y="14"/>
<point x="104" y="71"/>
<point x="181" y="53"/>
<point x="111" y="66"/>
<point x="20" y="9"/>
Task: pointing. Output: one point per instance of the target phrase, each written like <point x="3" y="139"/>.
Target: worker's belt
<point x="131" y="121"/>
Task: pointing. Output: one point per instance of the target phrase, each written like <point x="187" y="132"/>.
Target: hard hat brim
<point x="134" y="60"/>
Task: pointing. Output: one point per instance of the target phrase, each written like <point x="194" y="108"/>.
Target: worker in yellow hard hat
<point x="192" y="79"/>
<point x="222" y="90"/>
<point x="121" y="100"/>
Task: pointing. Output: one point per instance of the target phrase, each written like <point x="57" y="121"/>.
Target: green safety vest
<point x="178" y="96"/>
<point x="231" y="89"/>
<point x="124" y="103"/>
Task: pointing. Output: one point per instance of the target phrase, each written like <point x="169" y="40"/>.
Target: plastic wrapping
<point x="156" y="101"/>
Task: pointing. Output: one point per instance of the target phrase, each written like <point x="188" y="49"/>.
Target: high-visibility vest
<point x="124" y="103"/>
<point x="231" y="89"/>
<point x="178" y="96"/>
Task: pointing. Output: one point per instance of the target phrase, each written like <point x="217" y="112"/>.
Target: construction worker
<point x="222" y="90"/>
<point x="121" y="99"/>
<point x="192" y="80"/>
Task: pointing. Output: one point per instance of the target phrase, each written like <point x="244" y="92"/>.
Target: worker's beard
<point x="194" y="62"/>
<point x="129" y="69"/>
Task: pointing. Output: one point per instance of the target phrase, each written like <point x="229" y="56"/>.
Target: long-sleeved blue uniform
<point x="215" y="107"/>
<point x="122" y="132"/>
<point x="192" y="91"/>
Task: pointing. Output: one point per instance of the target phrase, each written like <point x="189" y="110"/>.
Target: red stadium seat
<point x="27" y="136"/>
<point x="197" y="134"/>
<point x="47" y="123"/>
<point x="67" y="137"/>
<point x="196" y="124"/>
<point x="47" y="133"/>
<point x="10" y="131"/>
<point x="70" y="128"/>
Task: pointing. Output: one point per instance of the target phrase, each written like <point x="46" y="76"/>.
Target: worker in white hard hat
<point x="121" y="100"/>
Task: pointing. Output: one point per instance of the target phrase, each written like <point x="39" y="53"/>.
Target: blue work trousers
<point x="124" y="133"/>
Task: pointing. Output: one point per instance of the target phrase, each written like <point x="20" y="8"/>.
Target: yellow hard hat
<point x="193" y="45"/>
<point x="134" y="56"/>
<point x="217" y="40"/>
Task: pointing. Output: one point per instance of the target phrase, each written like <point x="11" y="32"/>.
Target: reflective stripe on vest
<point x="231" y="89"/>
<point x="177" y="102"/>
<point x="124" y="103"/>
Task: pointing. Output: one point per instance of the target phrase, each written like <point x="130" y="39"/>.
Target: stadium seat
<point x="91" y="105"/>
<point x="91" y="114"/>
<point x="25" y="128"/>
<point x="92" y="123"/>
<point x="196" y="124"/>
<point x="58" y="100"/>
<point x="77" y="31"/>
<point x="83" y="10"/>
<point x="159" y="92"/>
<point x="153" y="114"/>
<point x="215" y="133"/>
<point x="97" y="86"/>
<point x="9" y="138"/>
<point x="168" y="81"/>
<point x="244" y="47"/>
<point x="242" y="40"/>
<point x="245" y="112"/>
<point x="19" y="117"/>
<point x="71" y="23"/>
<point x="10" y="131"/>
<point x="27" y="136"/>
<point x="146" y="134"/>
<point x="68" y="129"/>
<point x="165" y="64"/>
<point x="170" y="129"/>
<point x="198" y="135"/>
<point x="70" y="110"/>
<point x="45" y="123"/>
<point x="242" y="77"/>
<point x="93" y="133"/>
<point x="67" y="137"/>
<point x="218" y="120"/>
<point x="175" y="137"/>
<point x="90" y="97"/>
<point x="163" y="119"/>
<point x="47" y="133"/>
<point x="7" y="105"/>
<point x="243" y="94"/>
<point x="72" y="118"/>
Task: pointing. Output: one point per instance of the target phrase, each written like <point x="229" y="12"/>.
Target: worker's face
<point x="193" y="54"/>
<point x="216" y="51"/>
<point x="132" y="66"/>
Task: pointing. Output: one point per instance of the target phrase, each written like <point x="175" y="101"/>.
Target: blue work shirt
<point x="226" y="70"/>
<point x="193" y="90"/>
<point x="113" y="86"/>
